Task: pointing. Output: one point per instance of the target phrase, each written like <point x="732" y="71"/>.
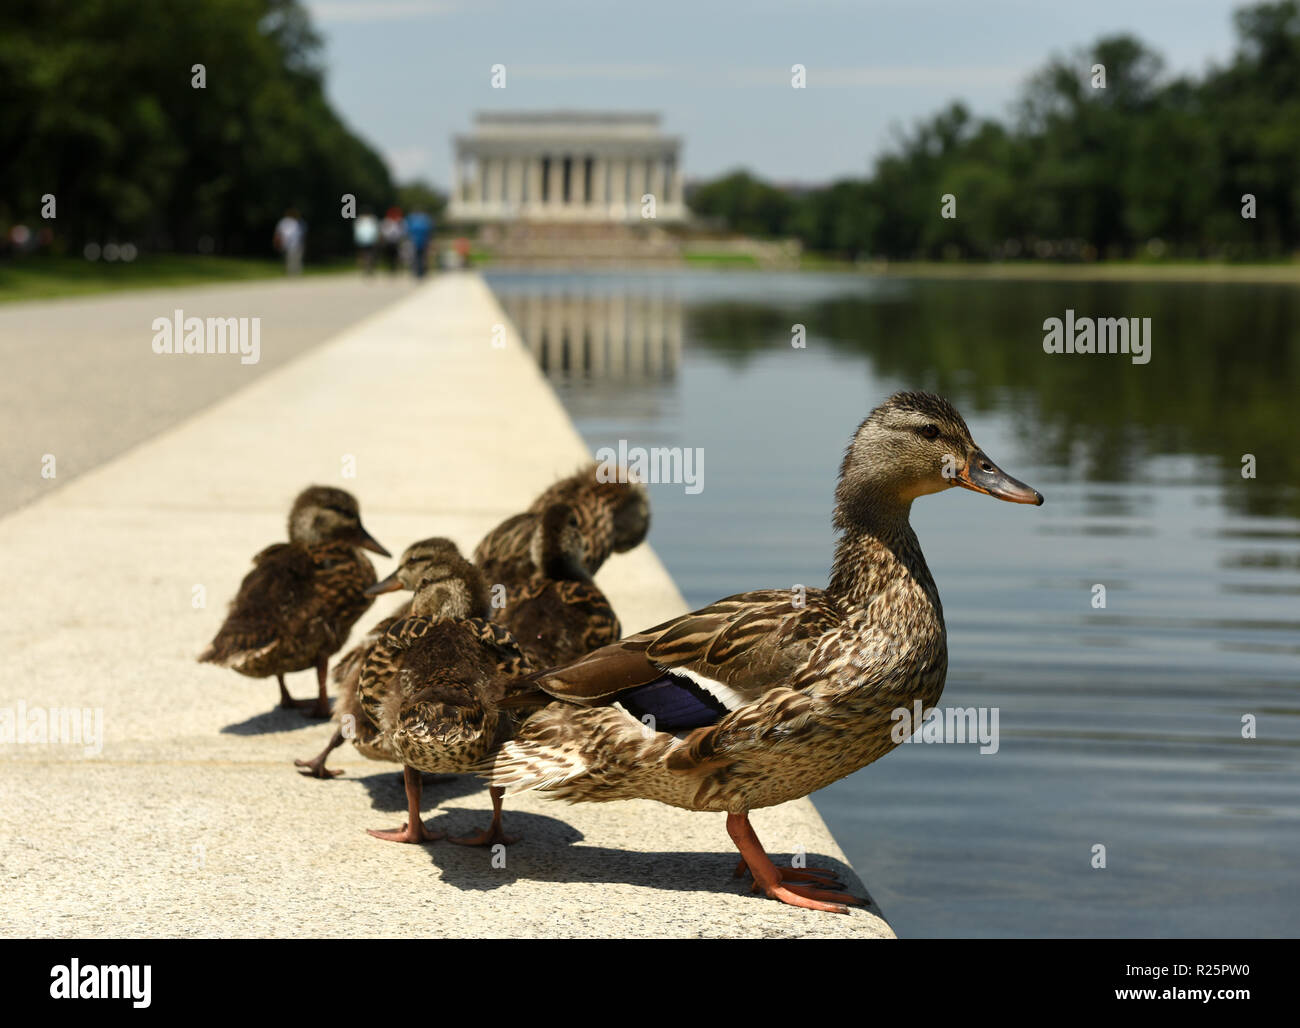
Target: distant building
<point x="566" y="166"/>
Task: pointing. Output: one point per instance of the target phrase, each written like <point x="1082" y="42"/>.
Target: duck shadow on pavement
<point x="276" y="720"/>
<point x="548" y="851"/>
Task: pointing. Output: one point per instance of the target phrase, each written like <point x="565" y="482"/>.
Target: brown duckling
<point x="417" y="561"/>
<point x="295" y="608"/>
<point x="558" y="613"/>
<point x="613" y="517"/>
<point x="431" y="688"/>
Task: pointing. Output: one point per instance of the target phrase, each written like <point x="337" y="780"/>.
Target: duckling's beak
<point x="983" y="476"/>
<point x="388" y="585"/>
<point x="368" y="542"/>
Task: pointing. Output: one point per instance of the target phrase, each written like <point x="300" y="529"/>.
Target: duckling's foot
<point x="493" y="834"/>
<point x="490" y="836"/>
<point x="769" y="878"/>
<point x="406" y="834"/>
<point x="413" y="830"/>
<point x="321" y="706"/>
<point x="315" y="768"/>
<point x="314" y="708"/>
<point x="287" y="702"/>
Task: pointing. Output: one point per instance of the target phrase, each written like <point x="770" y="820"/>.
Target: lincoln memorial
<point x="566" y="166"/>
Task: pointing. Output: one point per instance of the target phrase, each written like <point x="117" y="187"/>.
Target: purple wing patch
<point x="676" y="704"/>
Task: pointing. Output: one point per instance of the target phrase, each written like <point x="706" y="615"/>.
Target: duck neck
<point x="877" y="548"/>
<point x="564" y="567"/>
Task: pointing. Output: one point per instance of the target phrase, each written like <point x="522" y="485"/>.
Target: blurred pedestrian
<point x="419" y="229"/>
<point x="290" y="237"/>
<point x="392" y="230"/>
<point x="365" y="234"/>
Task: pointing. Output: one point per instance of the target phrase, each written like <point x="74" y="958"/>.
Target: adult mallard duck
<point x="432" y="685"/>
<point x="613" y="517"/>
<point x="766" y="696"/>
<point x="295" y="608"/>
<point x="427" y="557"/>
<point x="558" y="613"/>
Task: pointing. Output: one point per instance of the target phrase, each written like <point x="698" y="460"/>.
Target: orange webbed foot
<point x="420" y="834"/>
<point x="813" y="899"/>
<point x="772" y="879"/>
<point x="816" y="875"/>
<point x="490" y="836"/>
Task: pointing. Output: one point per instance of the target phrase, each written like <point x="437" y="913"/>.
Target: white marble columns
<point x="513" y="167"/>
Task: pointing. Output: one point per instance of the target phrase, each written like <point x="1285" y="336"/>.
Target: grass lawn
<point x="35" y="278"/>
<point x="721" y="260"/>
<point x="1125" y="271"/>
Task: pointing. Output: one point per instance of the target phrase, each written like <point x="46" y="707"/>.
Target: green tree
<point x="98" y="107"/>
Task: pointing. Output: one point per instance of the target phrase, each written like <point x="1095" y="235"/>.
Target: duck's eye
<point x="930" y="431"/>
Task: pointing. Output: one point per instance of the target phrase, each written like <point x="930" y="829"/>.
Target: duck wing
<point x="263" y="610"/>
<point x="508" y="542"/>
<point x="559" y="621"/>
<point x="695" y="669"/>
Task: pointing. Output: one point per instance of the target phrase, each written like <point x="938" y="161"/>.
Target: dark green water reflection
<point x="1119" y="727"/>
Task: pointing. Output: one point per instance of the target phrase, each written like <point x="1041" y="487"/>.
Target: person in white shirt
<point x="290" y="234"/>
<point x="365" y="234"/>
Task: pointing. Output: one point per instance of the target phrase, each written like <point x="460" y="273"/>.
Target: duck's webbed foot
<point x="414" y="829"/>
<point x="287" y="702"/>
<point x="771" y="879"/>
<point x="816" y="875"/>
<point x="493" y="833"/>
<point x="315" y="768"/>
<point x="490" y="836"/>
<point x="406" y="833"/>
<point x="319" y="707"/>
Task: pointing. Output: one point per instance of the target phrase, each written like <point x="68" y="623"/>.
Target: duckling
<point x="295" y="608"/>
<point x="613" y="517"/>
<point x="766" y="696"/>
<point x="417" y="560"/>
<point x="558" y="613"/>
<point x="431" y="687"/>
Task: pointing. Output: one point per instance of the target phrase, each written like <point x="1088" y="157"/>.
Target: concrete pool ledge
<point x="191" y="821"/>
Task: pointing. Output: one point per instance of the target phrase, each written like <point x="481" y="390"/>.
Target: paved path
<point x="191" y="820"/>
<point x="82" y="382"/>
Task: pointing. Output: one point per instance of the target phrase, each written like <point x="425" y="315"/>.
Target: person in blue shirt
<point x="419" y="230"/>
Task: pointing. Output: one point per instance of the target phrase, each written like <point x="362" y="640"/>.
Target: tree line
<point x="1147" y="164"/>
<point x="193" y="124"/>
<point x="186" y="125"/>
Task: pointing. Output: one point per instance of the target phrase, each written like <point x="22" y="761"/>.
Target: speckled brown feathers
<point x="613" y="517"/>
<point x="432" y="683"/>
<point x="558" y="613"/>
<point x="766" y="696"/>
<point x="432" y="688"/>
<point x="294" y="608"/>
<point x="431" y="557"/>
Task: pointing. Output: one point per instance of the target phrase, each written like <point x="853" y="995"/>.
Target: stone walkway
<point x="190" y="819"/>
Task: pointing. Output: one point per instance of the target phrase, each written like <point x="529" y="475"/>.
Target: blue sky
<point x="408" y="74"/>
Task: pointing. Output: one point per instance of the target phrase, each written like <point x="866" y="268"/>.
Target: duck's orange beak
<point x="387" y="585"/>
<point x="983" y="476"/>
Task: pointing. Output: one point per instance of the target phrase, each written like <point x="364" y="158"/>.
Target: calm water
<point x="1120" y="726"/>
